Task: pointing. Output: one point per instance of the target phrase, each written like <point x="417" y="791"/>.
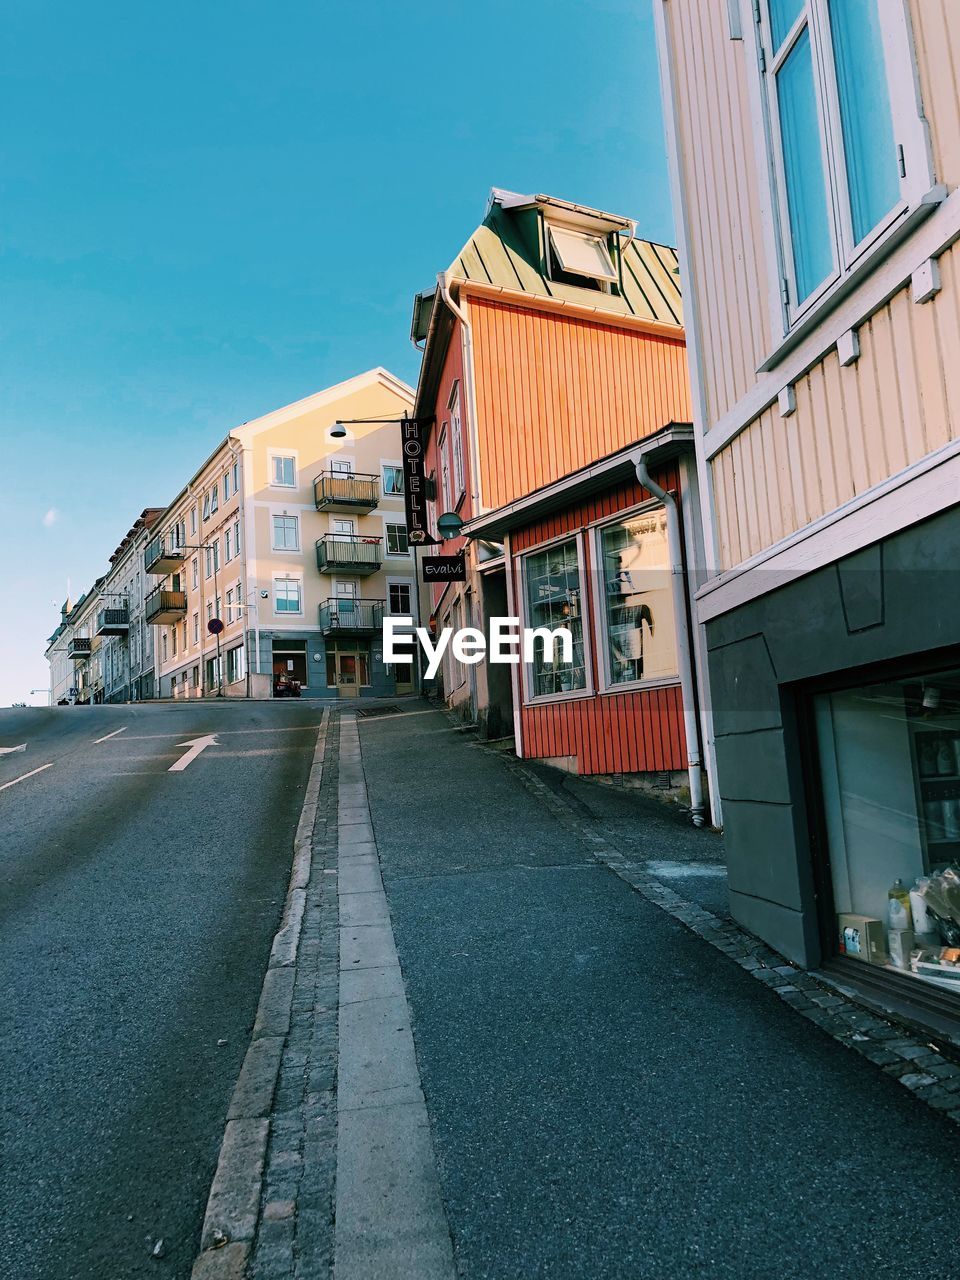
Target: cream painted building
<point x="295" y="540"/>
<point x="815" y="149"/>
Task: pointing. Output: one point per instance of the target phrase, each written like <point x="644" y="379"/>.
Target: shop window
<point x="236" y="668"/>
<point x="638" y="617"/>
<point x="890" y="773"/>
<point x="554" y="599"/>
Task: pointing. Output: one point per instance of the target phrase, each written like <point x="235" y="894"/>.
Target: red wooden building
<point x="554" y="361"/>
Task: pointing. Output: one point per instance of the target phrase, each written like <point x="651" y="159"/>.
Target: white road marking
<point x="107" y="736"/>
<point x="196" y="745"/>
<point x="5" y="751"/>
<point x="24" y="776"/>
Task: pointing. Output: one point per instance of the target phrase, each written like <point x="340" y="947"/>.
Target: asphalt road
<point x="610" y="1097"/>
<point x="137" y="910"/>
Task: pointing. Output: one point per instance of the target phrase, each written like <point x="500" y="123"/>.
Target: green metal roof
<point x="509" y="249"/>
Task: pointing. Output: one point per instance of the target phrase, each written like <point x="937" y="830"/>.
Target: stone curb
<point x="230" y="1220"/>
<point x="918" y="1065"/>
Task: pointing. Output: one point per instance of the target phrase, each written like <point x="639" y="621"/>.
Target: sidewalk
<point x="500" y="1047"/>
<point x="609" y="1095"/>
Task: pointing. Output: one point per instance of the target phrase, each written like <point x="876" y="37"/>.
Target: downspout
<point x="473" y="433"/>
<point x="691" y="726"/>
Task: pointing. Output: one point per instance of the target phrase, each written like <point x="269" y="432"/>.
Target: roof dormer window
<point x="577" y="257"/>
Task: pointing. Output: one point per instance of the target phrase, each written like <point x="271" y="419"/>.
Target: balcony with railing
<point x="344" y="616"/>
<point x="344" y="491"/>
<point x="79" y="647"/>
<point x="162" y="556"/>
<point x="349" y="553"/>
<point x="163" y="607"/>
<point x="113" y="622"/>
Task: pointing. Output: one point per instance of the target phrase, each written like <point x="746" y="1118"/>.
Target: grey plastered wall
<point x="890" y="601"/>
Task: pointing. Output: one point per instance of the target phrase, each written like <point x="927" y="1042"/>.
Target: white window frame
<point x="604" y="275"/>
<point x="215" y="497"/>
<point x="456" y="444"/>
<point x="236" y="477"/>
<point x="394" y="466"/>
<point x="919" y="195"/>
<point x="284" y="515"/>
<point x="526" y="668"/>
<point x="275" y="455"/>
<point x="285" y="578"/>
<point x="606" y="684"/>
<point x="395" y="524"/>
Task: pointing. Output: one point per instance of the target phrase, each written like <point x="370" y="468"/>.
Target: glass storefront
<point x="638" y="599"/>
<point x="554" y="600"/>
<point x="890" y="774"/>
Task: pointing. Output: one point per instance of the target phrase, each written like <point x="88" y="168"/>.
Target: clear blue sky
<point x="211" y="210"/>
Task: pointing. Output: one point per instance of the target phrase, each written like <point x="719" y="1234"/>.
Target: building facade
<point x="293" y="537"/>
<point x="815" y="173"/>
<point x="553" y="350"/>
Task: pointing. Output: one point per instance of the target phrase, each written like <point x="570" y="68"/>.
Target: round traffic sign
<point x="214" y="626"/>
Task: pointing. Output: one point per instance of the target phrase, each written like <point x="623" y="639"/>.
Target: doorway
<point x="347" y="669"/>
<point x="290" y="661"/>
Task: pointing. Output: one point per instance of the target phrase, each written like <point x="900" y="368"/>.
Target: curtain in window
<point x="803" y="169"/>
<point x="865" y="117"/>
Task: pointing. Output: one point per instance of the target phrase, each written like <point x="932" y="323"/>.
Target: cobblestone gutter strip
<point x="247" y="1153"/>
<point x="918" y="1066"/>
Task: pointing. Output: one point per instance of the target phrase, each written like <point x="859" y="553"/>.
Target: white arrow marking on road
<point x="196" y="745"/>
<point x="5" y="751"/>
<point x="107" y="736"/>
<point x="23" y="777"/>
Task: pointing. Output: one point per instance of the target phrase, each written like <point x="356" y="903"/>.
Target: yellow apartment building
<point x="294" y="537"/>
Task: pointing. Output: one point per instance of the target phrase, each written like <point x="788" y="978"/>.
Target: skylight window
<point x="580" y="254"/>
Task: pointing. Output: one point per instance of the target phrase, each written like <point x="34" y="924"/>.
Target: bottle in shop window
<point x="927" y="755"/>
<point x="951" y="819"/>
<point x="945" y="757"/>
<point x="898" y="906"/>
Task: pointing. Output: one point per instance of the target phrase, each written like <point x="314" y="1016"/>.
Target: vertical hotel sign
<point x="415" y="483"/>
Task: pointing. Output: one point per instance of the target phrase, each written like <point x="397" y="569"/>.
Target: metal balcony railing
<point x="346" y="492"/>
<point x="113" y="622"/>
<point x="349" y="553"/>
<point x="162" y="607"/>
<point x="345" y="616"/>
<point x="161" y="556"/>
<point x="79" y="647"/>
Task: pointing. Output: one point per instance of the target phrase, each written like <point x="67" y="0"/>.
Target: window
<point x="209" y="610"/>
<point x="196" y="677"/>
<point x="553" y="596"/>
<point x="206" y="506"/>
<point x="213" y="673"/>
<point x="196" y="628"/>
<point x="193" y="522"/>
<point x="284" y="472"/>
<point x="236" y="537"/>
<point x="207" y="562"/>
<point x="227" y="548"/>
<point x="400" y="598"/>
<point x="392" y="479"/>
<point x="456" y="442"/>
<point x="226" y="485"/>
<point x="444" y="470"/>
<point x="194" y="572"/>
<point x="163" y="645"/>
<point x="184" y="635"/>
<point x="397" y="540"/>
<point x="230" y="605"/>
<point x="214" y="500"/>
<point x="837" y="164"/>
<point x="216" y="555"/>
<point x="577" y="257"/>
<point x="236" y="477"/>
<point x="286" y="534"/>
<point x="638" y="617"/>
<point x="286" y="593"/>
<point x="341" y="467"/>
<point x="236" y="669"/>
<point x="345" y="527"/>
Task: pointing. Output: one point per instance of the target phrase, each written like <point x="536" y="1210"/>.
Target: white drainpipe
<point x="691" y="725"/>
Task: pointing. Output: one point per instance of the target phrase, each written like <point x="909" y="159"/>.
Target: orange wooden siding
<point x="637" y="731"/>
<point x="555" y="392"/>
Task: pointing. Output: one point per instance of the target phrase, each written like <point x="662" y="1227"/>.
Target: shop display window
<point x="640" y="631"/>
<point x="554" y="599"/>
<point x="890" y="772"/>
